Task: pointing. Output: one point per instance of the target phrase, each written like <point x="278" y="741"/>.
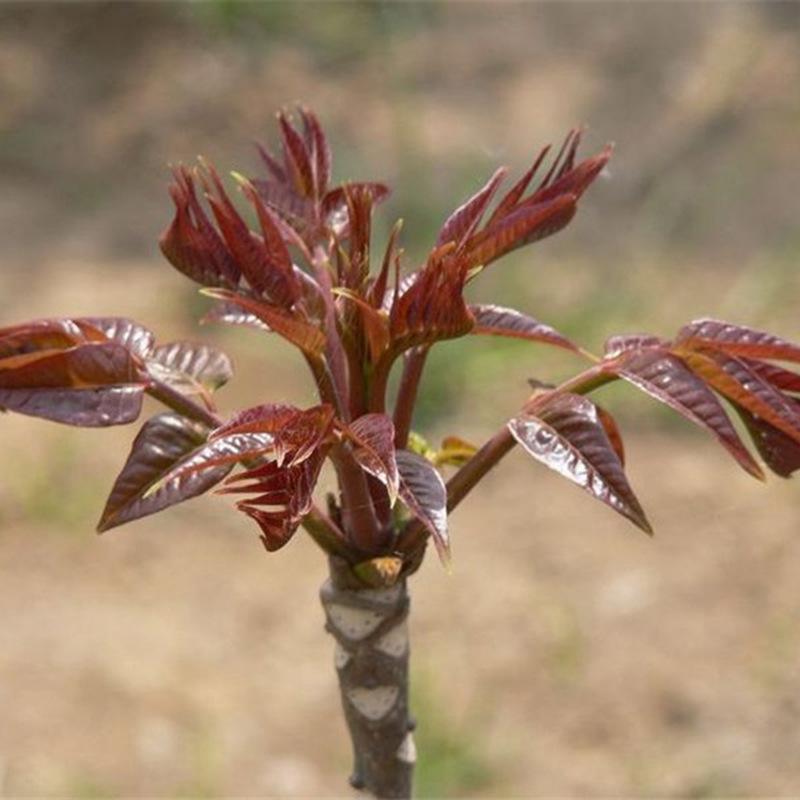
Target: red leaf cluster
<point x="305" y="268"/>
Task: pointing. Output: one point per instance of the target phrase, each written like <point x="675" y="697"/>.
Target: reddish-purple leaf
<point x="377" y="290"/>
<point x="261" y="265"/>
<point x="42" y="334"/>
<point x="191" y="244"/>
<point x="199" y="363"/>
<point x="232" y="314"/>
<point x="334" y="204"/>
<point x="373" y="437"/>
<point x="375" y="323"/>
<point x="354" y="269"/>
<point x="295" y="210"/>
<point x="86" y="408"/>
<point x="735" y="340"/>
<point x="308" y="337"/>
<point x="780" y="452"/>
<point x="91" y="365"/>
<point x="93" y="384"/>
<point x="616" y="345"/>
<point x="563" y="432"/>
<point x="432" y="307"/>
<point x="223" y="451"/>
<point x="612" y="431"/>
<point x="666" y="378"/>
<point x="780" y="378"/>
<point x="320" y="149"/>
<point x="463" y="221"/>
<point x="743" y="386"/>
<point x="162" y="442"/>
<point x="499" y="321"/>
<point x="280" y="279"/>
<point x="283" y="496"/>
<point x="523" y="226"/>
<point x="510" y="200"/>
<point x="267" y="418"/>
<point x="423" y="492"/>
<point x="132" y="335"/>
<point x="295" y="433"/>
<point x="296" y="158"/>
<point x="574" y="180"/>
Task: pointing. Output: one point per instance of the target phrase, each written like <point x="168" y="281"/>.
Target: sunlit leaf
<point x="423" y="492"/>
<point x="780" y="378"/>
<point x="743" y="386"/>
<point x="523" y="226"/>
<point x="499" y="321"/>
<point x="202" y="363"/>
<point x="735" y="340"/>
<point x="295" y="432"/>
<point x="373" y="437"/>
<point x="563" y="432"/>
<point x="432" y="308"/>
<point x="130" y="334"/>
<point x="232" y="314"/>
<point x="666" y="378"/>
<point x="308" y="337"/>
<point x="86" y="408"/>
<point x="464" y="220"/>
<point x="616" y="345"/>
<point x="297" y="163"/>
<point x="612" y="431"/>
<point x="780" y="452"/>
<point x="42" y="334"/>
<point x="162" y="442"/>
<point x="283" y="496"/>
<point x="191" y="243"/>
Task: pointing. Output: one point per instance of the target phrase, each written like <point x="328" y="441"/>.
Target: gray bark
<point x="372" y="652"/>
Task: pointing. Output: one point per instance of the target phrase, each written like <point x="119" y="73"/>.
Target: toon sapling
<point x="306" y="271"/>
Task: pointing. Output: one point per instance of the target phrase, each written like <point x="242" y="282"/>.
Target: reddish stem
<point x="491" y="453"/>
<point x="358" y="513"/>
<point x="182" y="404"/>
<point x="407" y="394"/>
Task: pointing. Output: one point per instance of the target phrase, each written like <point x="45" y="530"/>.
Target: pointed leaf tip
<point x="563" y="432"/>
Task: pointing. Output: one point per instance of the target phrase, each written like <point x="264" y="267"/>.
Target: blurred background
<point x="566" y="654"/>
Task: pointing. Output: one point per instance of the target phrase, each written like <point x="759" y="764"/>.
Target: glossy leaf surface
<point x="308" y="337"/>
<point x="423" y="492"/>
<point x="463" y="221"/>
<point x="780" y="452"/>
<point x="743" y="386"/>
<point x="201" y="363"/>
<point x="666" y="378"/>
<point x="133" y="336"/>
<point x="563" y="432"/>
<point x="283" y="496"/>
<point x="500" y="321"/>
<point x="735" y="340"/>
<point x="90" y="385"/>
<point x="232" y="314"/>
<point x="163" y="441"/>
<point x="191" y="243"/>
<point x="373" y="437"/>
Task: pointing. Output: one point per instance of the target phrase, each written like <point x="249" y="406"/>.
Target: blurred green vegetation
<point x="451" y="761"/>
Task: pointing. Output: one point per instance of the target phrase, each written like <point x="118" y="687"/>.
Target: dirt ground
<point x="566" y="655"/>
